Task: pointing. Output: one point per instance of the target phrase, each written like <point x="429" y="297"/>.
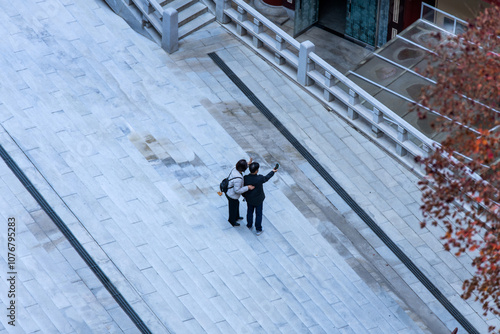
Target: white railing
<point x="165" y="22"/>
<point x="442" y="19"/>
<point x="301" y="62"/>
<point x="152" y="13"/>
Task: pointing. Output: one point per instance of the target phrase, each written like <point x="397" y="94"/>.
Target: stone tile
<point x="293" y="304"/>
<point x="233" y="318"/>
<point x="230" y="299"/>
<point x="151" y="216"/>
<point x="206" y="322"/>
<point x="167" y="294"/>
<point x="260" y="315"/>
<point x="353" y="323"/>
<point x="448" y="275"/>
<point x="317" y="297"/>
<point x="295" y="322"/>
<point x="449" y="259"/>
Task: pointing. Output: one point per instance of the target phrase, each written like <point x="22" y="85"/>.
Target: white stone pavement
<point x="55" y="291"/>
<point x="128" y="145"/>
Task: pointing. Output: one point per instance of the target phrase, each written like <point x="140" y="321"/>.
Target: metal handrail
<point x="442" y="12"/>
<point x="455" y="19"/>
<point x="370" y="99"/>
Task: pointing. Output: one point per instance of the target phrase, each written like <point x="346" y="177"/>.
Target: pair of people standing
<point x="235" y="189"/>
<point x="251" y="187"/>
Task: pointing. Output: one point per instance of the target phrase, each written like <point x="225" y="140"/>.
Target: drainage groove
<point x="74" y="242"/>
<point x="345" y="196"/>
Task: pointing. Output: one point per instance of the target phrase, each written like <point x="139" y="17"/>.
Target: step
<point x="191" y="12"/>
<point x="178" y="5"/>
<point x="250" y="274"/>
<point x="165" y="2"/>
<point x="198" y="23"/>
<point x="49" y="282"/>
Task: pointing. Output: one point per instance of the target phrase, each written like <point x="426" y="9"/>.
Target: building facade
<point x="371" y="22"/>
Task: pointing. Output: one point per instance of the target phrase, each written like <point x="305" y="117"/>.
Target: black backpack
<point x="224" y="184"/>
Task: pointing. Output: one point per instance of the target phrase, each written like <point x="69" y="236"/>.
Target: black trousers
<point x="234" y="210"/>
<point x="258" y="216"/>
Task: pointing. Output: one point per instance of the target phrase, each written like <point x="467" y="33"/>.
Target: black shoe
<point x="240" y="218"/>
<point x="249" y="227"/>
<point x="234" y="224"/>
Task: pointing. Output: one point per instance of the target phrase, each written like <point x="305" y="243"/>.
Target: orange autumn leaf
<point x="467" y="65"/>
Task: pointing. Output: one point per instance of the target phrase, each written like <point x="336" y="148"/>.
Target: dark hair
<point x="254" y="166"/>
<point x="241" y="165"/>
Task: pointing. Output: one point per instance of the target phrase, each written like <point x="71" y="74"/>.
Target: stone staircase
<point x="133" y="144"/>
<point x="193" y="15"/>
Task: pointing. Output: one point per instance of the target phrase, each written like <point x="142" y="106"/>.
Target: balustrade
<point x="165" y="22"/>
<point x="301" y="62"/>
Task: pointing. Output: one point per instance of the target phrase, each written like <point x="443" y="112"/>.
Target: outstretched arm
<point x="269" y="175"/>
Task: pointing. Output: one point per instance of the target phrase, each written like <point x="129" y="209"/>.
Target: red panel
<point x="273" y="2"/>
<point x="411" y="10"/>
<point x="289" y="4"/>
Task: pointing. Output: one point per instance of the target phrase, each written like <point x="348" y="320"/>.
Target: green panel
<point x="383" y="21"/>
<point x="361" y="20"/>
<point x="306" y="14"/>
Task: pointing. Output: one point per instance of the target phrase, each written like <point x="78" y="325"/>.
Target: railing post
<point x="427" y="151"/>
<point x="402" y="137"/>
<point x="378" y="117"/>
<point x="145" y="21"/>
<point x="280" y="45"/>
<point x="150" y="8"/>
<point x="170" y="30"/>
<point x="353" y="100"/>
<point x="305" y="64"/>
<point x="220" y="7"/>
<point x="242" y="17"/>
<point x="258" y="28"/>
<point x="328" y="83"/>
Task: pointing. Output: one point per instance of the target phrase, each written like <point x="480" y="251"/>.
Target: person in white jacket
<point x="235" y="189"/>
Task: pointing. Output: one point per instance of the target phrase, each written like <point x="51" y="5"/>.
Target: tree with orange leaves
<point x="461" y="190"/>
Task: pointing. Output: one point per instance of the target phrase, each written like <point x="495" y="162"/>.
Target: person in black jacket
<point x="255" y="197"/>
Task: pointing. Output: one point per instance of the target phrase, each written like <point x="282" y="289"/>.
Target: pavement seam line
<point x="345" y="196"/>
<point x="77" y="246"/>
